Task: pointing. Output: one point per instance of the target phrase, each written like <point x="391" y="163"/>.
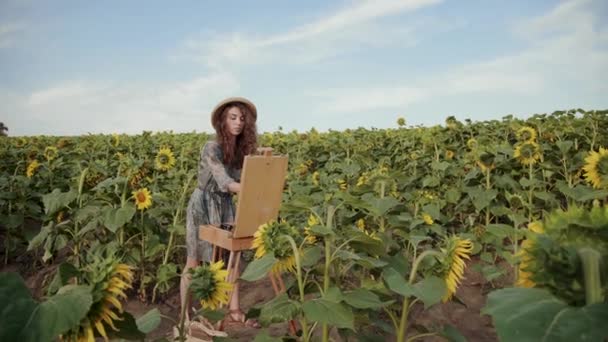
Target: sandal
<point x="199" y="331"/>
<point x="238" y="317"/>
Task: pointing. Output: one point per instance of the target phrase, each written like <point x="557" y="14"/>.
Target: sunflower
<point x="342" y="184"/>
<point x="109" y="280"/>
<point x="401" y="122"/>
<point x="449" y="154"/>
<point x="485" y="161"/>
<point x="115" y="140"/>
<point x="363" y="179"/>
<point x="269" y="239"/>
<point x="209" y="285"/>
<point x="455" y="252"/>
<point x="472" y="144"/>
<point x="143" y="198"/>
<point x="526" y="134"/>
<point x="524" y="276"/>
<point x="360" y="224"/>
<point x="164" y="159"/>
<point x="309" y="235"/>
<point x="302" y="169"/>
<point x="527" y="153"/>
<point x="315" y="178"/>
<point x="427" y="218"/>
<point x="31" y="168"/>
<point x="596" y="168"/>
<point x="20" y="142"/>
<point x="50" y="153"/>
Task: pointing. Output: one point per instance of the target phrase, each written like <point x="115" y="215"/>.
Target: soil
<point x="463" y="313"/>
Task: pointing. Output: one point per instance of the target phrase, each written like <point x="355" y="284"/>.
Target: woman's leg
<point x="184" y="285"/>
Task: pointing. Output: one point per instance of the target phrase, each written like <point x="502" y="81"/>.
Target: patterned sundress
<point x="211" y="202"/>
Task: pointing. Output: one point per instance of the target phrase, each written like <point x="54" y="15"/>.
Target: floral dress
<point x="211" y="202"/>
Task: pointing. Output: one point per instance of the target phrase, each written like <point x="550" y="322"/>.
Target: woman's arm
<point x="234" y="187"/>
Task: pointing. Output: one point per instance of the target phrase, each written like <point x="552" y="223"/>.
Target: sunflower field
<point x="376" y="226"/>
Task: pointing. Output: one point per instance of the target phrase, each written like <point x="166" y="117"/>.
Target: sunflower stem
<point x="326" y="279"/>
<point x="296" y="253"/>
<point x="591" y="271"/>
<point x="405" y="305"/>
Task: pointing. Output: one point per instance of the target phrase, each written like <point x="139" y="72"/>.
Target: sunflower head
<point x="485" y="161"/>
<point x="427" y="219"/>
<point x="109" y="280"/>
<point x="472" y="144"/>
<point x="527" y="153"/>
<point x="20" y="142"/>
<point x="115" y="140"/>
<point x="449" y="154"/>
<point x="401" y="121"/>
<point x="454" y="252"/>
<point x="309" y="235"/>
<point x="550" y="257"/>
<point x="50" y="153"/>
<point x="315" y="178"/>
<point x="526" y="134"/>
<point x="143" y="198"/>
<point x="209" y="285"/>
<point x="451" y="122"/>
<point x="31" y="168"/>
<point x="269" y="239"/>
<point x="164" y="160"/>
<point x="596" y="168"/>
<point x="342" y="184"/>
<point x="360" y="224"/>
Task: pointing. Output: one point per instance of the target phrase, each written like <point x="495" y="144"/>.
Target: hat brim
<point x="217" y="111"/>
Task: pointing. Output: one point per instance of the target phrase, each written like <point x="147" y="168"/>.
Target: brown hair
<point x="235" y="149"/>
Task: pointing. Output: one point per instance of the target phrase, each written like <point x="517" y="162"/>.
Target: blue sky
<point x="78" y="67"/>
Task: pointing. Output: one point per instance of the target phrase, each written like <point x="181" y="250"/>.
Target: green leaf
<point x="397" y="283"/>
<point x="25" y="320"/>
<point x="362" y="242"/>
<point x="370" y="262"/>
<point x="279" y="309"/>
<point x="263" y="336"/>
<point x="127" y="328"/>
<point x="258" y="268"/>
<point x="321" y="230"/>
<point x="564" y="146"/>
<point x="148" y="321"/>
<point x="529" y="314"/>
<point x="482" y="197"/>
<point x="65" y="272"/>
<point x="57" y="200"/>
<point x="41" y="236"/>
<point x="452" y="196"/>
<point x="430" y="182"/>
<point x="333" y="294"/>
<point x="452" y="334"/>
<point x="500" y="230"/>
<point x="116" y="218"/>
<point x="363" y="299"/>
<point x="430" y="290"/>
<point x="324" y="311"/>
<point x="379" y="206"/>
<point x="311" y="256"/>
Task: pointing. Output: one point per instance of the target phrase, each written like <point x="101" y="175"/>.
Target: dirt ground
<point x="464" y="316"/>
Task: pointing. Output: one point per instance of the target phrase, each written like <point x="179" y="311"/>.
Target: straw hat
<point x="216" y="114"/>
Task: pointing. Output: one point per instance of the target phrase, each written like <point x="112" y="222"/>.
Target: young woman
<point x="219" y="170"/>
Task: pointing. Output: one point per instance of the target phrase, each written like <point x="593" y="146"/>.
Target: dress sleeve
<point x="211" y="158"/>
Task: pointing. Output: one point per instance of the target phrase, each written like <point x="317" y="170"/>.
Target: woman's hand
<point x="234" y="187"/>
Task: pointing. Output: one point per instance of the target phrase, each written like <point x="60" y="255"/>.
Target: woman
<point x="219" y="170"/>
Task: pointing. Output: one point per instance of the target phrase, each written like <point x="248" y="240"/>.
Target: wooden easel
<point x="262" y="182"/>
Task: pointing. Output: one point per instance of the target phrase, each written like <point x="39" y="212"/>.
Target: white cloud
<point x="8" y="32"/>
<point x="560" y="54"/>
<point x="348" y="28"/>
<point x="66" y="108"/>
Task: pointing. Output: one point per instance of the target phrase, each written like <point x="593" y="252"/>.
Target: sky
<point x="80" y="67"/>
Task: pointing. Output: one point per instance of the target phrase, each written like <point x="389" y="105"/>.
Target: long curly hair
<point x="235" y="149"/>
